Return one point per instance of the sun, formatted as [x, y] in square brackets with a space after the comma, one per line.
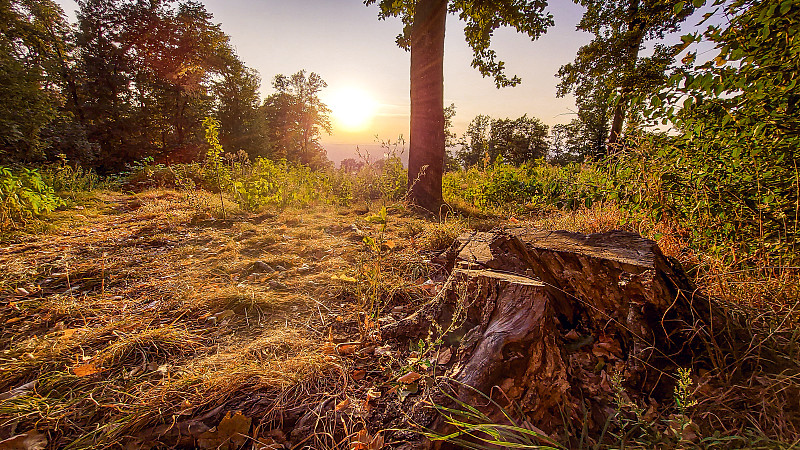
[353, 109]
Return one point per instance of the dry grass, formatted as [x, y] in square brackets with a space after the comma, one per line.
[185, 315]
[148, 309]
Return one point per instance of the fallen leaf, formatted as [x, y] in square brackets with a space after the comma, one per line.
[68, 333]
[32, 440]
[18, 391]
[409, 378]
[231, 433]
[377, 443]
[407, 390]
[358, 374]
[23, 292]
[372, 394]
[220, 316]
[13, 320]
[347, 349]
[344, 278]
[342, 405]
[444, 355]
[328, 348]
[361, 441]
[86, 370]
[608, 348]
[386, 350]
[573, 335]
[390, 244]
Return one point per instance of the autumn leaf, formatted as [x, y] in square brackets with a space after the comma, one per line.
[68, 333]
[230, 433]
[372, 394]
[444, 355]
[359, 374]
[342, 405]
[344, 278]
[86, 370]
[409, 378]
[31, 440]
[347, 349]
[328, 348]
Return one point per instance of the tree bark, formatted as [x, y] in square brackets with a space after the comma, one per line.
[616, 125]
[546, 320]
[427, 140]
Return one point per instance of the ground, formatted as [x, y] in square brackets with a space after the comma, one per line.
[161, 319]
[139, 310]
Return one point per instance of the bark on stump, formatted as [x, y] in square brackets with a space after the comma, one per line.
[545, 319]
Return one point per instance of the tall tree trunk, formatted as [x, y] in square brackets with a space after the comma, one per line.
[427, 142]
[616, 124]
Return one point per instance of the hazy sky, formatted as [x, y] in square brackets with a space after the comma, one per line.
[343, 41]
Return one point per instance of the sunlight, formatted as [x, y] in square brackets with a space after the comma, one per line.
[353, 108]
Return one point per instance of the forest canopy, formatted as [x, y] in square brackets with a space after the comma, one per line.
[133, 80]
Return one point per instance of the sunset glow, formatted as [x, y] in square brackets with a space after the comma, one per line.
[352, 108]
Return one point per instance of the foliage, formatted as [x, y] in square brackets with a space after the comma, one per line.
[281, 184]
[31, 39]
[296, 118]
[534, 185]
[515, 140]
[733, 165]
[482, 19]
[474, 145]
[68, 180]
[24, 196]
[242, 125]
[609, 70]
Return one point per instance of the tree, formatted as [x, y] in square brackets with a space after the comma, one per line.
[475, 142]
[32, 35]
[242, 125]
[733, 157]
[351, 165]
[450, 139]
[515, 140]
[423, 34]
[145, 74]
[519, 140]
[296, 118]
[608, 71]
[569, 142]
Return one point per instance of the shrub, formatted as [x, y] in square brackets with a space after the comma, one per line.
[268, 182]
[24, 196]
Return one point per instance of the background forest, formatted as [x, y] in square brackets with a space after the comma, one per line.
[132, 82]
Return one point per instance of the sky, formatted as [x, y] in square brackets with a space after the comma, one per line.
[356, 54]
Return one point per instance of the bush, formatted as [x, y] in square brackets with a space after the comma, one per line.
[267, 182]
[24, 196]
[535, 185]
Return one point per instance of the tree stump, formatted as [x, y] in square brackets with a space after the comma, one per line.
[549, 320]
